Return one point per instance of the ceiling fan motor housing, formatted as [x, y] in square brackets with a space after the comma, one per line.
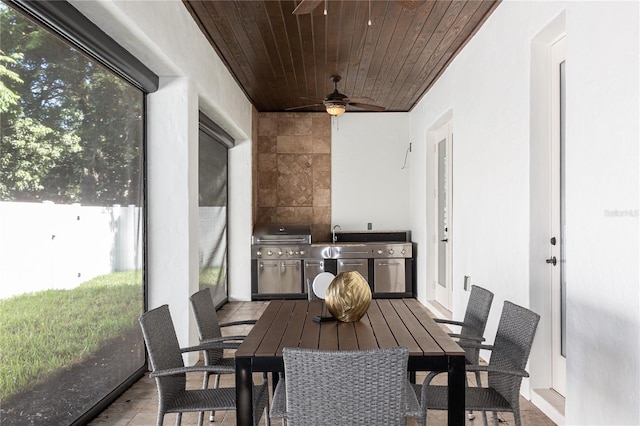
[335, 97]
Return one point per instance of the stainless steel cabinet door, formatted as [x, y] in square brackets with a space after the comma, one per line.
[312, 267]
[268, 276]
[360, 265]
[279, 276]
[290, 276]
[389, 276]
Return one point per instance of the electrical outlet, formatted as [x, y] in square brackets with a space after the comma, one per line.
[467, 283]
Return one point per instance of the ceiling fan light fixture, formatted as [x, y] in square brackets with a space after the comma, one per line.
[335, 109]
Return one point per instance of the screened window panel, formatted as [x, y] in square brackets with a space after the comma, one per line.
[212, 166]
[71, 227]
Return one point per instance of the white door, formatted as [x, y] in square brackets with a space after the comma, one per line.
[557, 257]
[443, 266]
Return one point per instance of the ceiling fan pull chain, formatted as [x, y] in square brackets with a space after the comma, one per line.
[325, 7]
[369, 13]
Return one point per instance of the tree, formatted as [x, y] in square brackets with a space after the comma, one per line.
[8, 97]
[71, 129]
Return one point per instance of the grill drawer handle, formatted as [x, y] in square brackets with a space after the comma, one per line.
[389, 264]
[352, 263]
[280, 241]
[284, 265]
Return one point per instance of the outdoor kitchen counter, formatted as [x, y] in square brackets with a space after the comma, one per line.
[360, 250]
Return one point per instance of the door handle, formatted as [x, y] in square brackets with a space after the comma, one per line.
[552, 261]
[444, 240]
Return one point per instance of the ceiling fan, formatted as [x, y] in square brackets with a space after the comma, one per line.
[336, 103]
[307, 6]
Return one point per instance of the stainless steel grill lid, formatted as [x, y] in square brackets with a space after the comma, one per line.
[282, 234]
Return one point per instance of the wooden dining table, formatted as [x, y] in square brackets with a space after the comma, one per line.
[387, 323]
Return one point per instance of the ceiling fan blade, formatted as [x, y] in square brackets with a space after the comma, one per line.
[410, 4]
[368, 107]
[311, 99]
[362, 100]
[303, 106]
[306, 6]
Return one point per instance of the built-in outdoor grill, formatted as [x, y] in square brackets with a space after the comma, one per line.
[283, 260]
[277, 252]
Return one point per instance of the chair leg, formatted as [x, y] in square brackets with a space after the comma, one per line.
[485, 421]
[472, 416]
[205, 385]
[484, 418]
[478, 380]
[267, 420]
[516, 416]
[212, 417]
[178, 419]
[495, 418]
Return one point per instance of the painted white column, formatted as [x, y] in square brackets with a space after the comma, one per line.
[172, 167]
[240, 221]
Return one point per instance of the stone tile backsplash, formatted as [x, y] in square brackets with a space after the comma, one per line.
[293, 169]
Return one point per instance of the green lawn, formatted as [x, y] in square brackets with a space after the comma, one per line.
[43, 332]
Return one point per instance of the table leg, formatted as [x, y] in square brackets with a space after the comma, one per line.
[456, 395]
[244, 392]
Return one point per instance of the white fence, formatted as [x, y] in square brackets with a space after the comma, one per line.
[50, 246]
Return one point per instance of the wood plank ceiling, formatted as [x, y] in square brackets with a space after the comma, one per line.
[282, 60]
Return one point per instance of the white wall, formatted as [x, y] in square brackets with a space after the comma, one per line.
[369, 176]
[163, 35]
[487, 92]
[172, 170]
[602, 203]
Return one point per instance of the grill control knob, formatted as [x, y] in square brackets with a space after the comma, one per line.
[403, 251]
[258, 253]
[391, 251]
[280, 253]
[379, 251]
[301, 252]
[269, 253]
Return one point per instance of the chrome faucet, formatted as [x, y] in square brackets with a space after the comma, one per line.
[333, 233]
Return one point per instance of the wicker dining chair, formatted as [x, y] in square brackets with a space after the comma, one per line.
[328, 388]
[169, 371]
[473, 325]
[509, 355]
[210, 330]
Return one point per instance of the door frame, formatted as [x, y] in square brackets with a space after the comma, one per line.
[444, 296]
[558, 362]
[540, 384]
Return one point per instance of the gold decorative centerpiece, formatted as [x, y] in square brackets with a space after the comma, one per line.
[348, 296]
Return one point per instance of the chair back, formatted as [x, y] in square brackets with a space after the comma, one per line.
[346, 387]
[511, 348]
[475, 318]
[207, 322]
[164, 351]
